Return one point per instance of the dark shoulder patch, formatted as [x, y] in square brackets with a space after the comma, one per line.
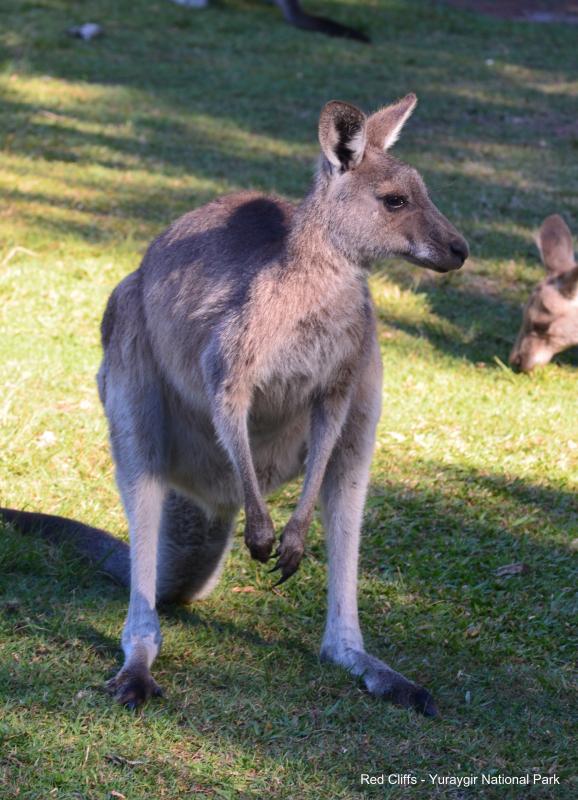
[260, 223]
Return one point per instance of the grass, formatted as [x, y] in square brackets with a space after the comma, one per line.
[102, 144]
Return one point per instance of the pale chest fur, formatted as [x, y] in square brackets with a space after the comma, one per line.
[311, 343]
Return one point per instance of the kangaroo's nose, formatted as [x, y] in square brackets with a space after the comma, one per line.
[459, 249]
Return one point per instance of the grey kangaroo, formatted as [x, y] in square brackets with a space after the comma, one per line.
[550, 322]
[294, 14]
[241, 353]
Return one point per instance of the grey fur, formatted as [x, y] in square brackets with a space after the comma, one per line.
[243, 352]
[550, 317]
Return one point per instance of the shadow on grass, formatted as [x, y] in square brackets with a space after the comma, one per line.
[193, 107]
[431, 552]
[203, 142]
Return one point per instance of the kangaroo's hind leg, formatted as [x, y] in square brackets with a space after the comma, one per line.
[135, 414]
[143, 495]
[133, 396]
[342, 500]
[192, 549]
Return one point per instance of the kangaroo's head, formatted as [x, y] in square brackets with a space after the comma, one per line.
[377, 206]
[550, 322]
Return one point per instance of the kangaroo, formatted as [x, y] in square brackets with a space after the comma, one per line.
[294, 15]
[550, 323]
[240, 354]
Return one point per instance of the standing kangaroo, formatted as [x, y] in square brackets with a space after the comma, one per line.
[550, 323]
[242, 352]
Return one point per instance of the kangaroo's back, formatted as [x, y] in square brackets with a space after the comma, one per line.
[198, 273]
[228, 240]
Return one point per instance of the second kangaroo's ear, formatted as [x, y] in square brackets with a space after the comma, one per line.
[555, 244]
[384, 127]
[342, 134]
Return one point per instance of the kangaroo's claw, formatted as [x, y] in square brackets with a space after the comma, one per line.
[132, 688]
[289, 554]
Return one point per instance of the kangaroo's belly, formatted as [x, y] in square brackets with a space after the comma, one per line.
[199, 466]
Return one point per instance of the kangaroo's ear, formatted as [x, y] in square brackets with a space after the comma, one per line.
[384, 127]
[554, 241]
[342, 134]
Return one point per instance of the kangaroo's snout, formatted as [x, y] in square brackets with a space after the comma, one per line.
[448, 251]
[444, 248]
[520, 363]
[515, 360]
[459, 250]
[531, 354]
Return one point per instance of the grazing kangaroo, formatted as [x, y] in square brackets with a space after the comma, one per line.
[294, 15]
[550, 322]
[242, 352]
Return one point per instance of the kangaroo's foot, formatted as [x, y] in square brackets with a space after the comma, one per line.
[133, 686]
[381, 680]
[291, 549]
[259, 536]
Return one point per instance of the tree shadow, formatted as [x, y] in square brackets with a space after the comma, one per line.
[215, 156]
[206, 106]
[213, 69]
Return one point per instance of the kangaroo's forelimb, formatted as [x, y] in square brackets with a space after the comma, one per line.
[327, 418]
[230, 419]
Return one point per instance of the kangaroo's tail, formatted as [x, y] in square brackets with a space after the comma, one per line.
[109, 554]
[295, 15]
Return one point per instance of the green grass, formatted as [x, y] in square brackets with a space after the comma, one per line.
[102, 144]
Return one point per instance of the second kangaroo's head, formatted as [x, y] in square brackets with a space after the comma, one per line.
[377, 206]
[550, 322]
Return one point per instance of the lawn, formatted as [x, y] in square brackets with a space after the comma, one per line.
[101, 145]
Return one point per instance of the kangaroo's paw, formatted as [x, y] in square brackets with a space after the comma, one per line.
[290, 550]
[385, 682]
[132, 687]
[382, 681]
[260, 538]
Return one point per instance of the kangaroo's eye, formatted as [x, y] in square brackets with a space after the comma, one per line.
[541, 328]
[393, 202]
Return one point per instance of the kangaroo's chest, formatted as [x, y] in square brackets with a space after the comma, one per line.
[318, 353]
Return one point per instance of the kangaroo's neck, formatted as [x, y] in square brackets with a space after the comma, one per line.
[313, 242]
[316, 276]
